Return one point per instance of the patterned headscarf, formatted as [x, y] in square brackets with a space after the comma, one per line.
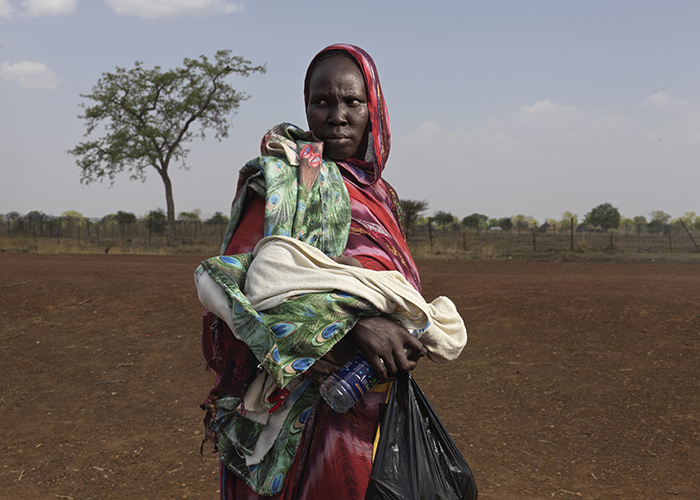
[369, 171]
[376, 237]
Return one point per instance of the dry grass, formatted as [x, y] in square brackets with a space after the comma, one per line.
[158, 246]
[559, 247]
[482, 246]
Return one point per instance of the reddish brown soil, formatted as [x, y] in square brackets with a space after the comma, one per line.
[580, 380]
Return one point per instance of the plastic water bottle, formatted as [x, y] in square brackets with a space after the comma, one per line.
[346, 386]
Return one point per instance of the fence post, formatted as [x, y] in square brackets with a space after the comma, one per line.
[534, 240]
[670, 246]
[464, 239]
[572, 234]
[689, 234]
[430, 233]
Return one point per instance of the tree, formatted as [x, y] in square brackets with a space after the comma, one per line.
[149, 115]
[190, 217]
[521, 221]
[658, 220]
[443, 218]
[626, 223]
[688, 218]
[125, 217]
[493, 222]
[566, 219]
[156, 220]
[12, 217]
[475, 220]
[506, 224]
[639, 222]
[412, 209]
[217, 218]
[73, 215]
[603, 215]
[36, 217]
[552, 223]
[696, 223]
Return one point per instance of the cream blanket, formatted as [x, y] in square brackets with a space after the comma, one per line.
[283, 267]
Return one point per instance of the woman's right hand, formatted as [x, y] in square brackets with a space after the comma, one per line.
[383, 342]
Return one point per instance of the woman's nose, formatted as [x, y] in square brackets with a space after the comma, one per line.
[337, 116]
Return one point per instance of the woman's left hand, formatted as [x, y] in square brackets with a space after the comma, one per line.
[385, 344]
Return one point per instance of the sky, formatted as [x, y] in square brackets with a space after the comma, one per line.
[497, 107]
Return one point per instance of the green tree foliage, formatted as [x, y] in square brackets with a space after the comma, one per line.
[626, 223]
[190, 217]
[443, 218]
[688, 219]
[696, 223]
[157, 220]
[217, 218]
[521, 221]
[684, 222]
[658, 220]
[73, 216]
[149, 114]
[412, 210]
[475, 220]
[639, 222]
[565, 221]
[36, 217]
[603, 215]
[493, 222]
[506, 223]
[125, 218]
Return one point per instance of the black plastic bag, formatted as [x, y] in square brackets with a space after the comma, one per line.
[416, 458]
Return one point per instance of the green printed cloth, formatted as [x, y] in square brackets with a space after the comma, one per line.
[289, 338]
[305, 195]
[305, 198]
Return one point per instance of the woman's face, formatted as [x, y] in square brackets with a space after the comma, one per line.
[337, 110]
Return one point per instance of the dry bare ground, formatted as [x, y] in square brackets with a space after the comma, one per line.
[580, 380]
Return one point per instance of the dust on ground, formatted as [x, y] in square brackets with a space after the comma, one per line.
[580, 380]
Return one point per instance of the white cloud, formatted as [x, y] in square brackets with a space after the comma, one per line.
[6, 9]
[28, 74]
[172, 8]
[35, 8]
[663, 102]
[548, 158]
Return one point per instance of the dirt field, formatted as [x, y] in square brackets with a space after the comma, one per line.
[580, 380]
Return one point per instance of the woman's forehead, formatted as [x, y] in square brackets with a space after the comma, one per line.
[336, 70]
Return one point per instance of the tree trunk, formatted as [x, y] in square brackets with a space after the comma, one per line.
[170, 204]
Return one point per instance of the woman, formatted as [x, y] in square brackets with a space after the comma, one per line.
[323, 188]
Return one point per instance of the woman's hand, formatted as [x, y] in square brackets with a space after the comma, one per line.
[383, 341]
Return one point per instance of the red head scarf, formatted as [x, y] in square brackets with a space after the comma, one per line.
[376, 237]
[369, 171]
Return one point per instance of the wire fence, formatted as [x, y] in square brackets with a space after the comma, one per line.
[426, 240]
[61, 233]
[135, 235]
